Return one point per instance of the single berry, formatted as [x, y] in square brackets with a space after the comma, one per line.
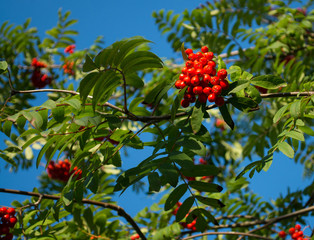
[178, 84]
[197, 90]
[188, 51]
[219, 101]
[187, 80]
[224, 84]
[206, 78]
[189, 64]
[193, 99]
[6, 218]
[204, 49]
[195, 81]
[4, 229]
[209, 55]
[222, 73]
[3, 211]
[182, 76]
[12, 222]
[203, 61]
[207, 90]
[191, 72]
[182, 85]
[291, 231]
[192, 56]
[214, 80]
[184, 70]
[199, 55]
[199, 72]
[282, 234]
[217, 89]
[213, 73]
[297, 227]
[185, 103]
[295, 235]
[207, 69]
[211, 63]
[197, 64]
[11, 211]
[212, 97]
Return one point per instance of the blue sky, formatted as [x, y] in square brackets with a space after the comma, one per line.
[116, 20]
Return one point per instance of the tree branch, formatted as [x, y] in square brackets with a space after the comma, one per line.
[227, 233]
[121, 212]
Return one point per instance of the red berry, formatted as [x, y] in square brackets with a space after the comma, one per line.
[12, 221]
[297, 227]
[202, 98]
[212, 97]
[217, 89]
[185, 103]
[214, 80]
[191, 72]
[187, 96]
[3, 211]
[182, 85]
[197, 90]
[207, 90]
[178, 84]
[188, 51]
[203, 61]
[136, 236]
[195, 81]
[6, 218]
[224, 84]
[282, 234]
[209, 55]
[206, 78]
[219, 101]
[184, 70]
[193, 99]
[295, 235]
[192, 56]
[291, 231]
[213, 73]
[187, 80]
[11, 211]
[211, 63]
[199, 55]
[222, 73]
[207, 69]
[189, 64]
[182, 76]
[204, 49]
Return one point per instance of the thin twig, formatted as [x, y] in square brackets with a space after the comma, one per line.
[121, 212]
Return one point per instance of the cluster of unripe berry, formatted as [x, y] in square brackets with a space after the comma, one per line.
[61, 170]
[8, 220]
[202, 79]
[39, 80]
[295, 233]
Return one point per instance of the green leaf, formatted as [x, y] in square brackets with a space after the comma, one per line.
[238, 86]
[279, 113]
[8, 159]
[184, 55]
[205, 187]
[221, 64]
[92, 182]
[34, 118]
[175, 196]
[181, 158]
[89, 64]
[45, 148]
[49, 104]
[254, 93]
[226, 116]
[104, 87]
[200, 171]
[184, 208]
[215, 203]
[295, 109]
[134, 80]
[140, 60]
[3, 66]
[154, 182]
[169, 174]
[243, 103]
[197, 118]
[286, 149]
[6, 128]
[201, 223]
[58, 114]
[295, 135]
[73, 102]
[269, 82]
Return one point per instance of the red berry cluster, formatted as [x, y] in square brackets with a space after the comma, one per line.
[39, 80]
[135, 236]
[69, 49]
[8, 221]
[200, 75]
[68, 68]
[295, 233]
[61, 170]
